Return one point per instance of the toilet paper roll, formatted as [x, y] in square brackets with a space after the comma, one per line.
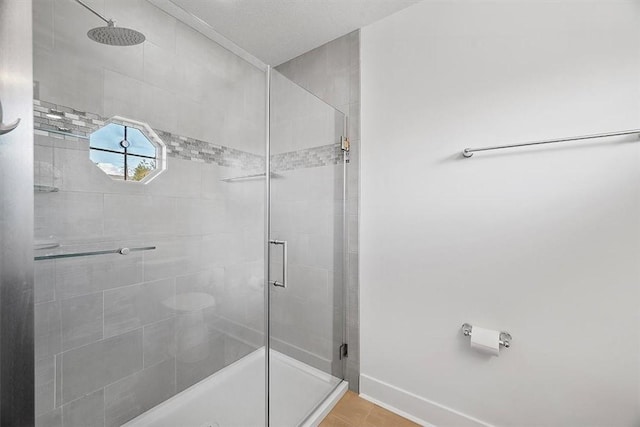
[485, 341]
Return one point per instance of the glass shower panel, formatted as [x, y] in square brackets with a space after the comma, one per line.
[306, 251]
[151, 286]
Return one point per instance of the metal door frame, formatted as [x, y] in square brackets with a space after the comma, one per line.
[17, 377]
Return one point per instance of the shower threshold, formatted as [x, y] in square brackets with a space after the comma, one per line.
[234, 396]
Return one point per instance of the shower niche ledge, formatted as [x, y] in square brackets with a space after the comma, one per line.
[39, 188]
[42, 244]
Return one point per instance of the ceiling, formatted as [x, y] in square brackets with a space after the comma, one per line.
[276, 31]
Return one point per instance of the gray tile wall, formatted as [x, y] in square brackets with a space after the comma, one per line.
[178, 80]
[332, 72]
[117, 335]
[192, 306]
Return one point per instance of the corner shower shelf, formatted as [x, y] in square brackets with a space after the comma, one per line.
[37, 188]
[45, 244]
[250, 177]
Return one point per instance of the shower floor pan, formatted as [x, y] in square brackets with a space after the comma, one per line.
[234, 397]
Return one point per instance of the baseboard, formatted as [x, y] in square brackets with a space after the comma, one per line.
[413, 407]
[396, 410]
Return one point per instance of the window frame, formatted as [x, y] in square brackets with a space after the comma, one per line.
[149, 135]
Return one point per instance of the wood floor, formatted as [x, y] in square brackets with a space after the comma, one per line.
[354, 411]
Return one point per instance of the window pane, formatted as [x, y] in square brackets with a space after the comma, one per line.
[139, 167]
[111, 163]
[108, 138]
[139, 143]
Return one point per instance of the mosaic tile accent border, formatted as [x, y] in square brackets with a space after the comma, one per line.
[73, 121]
[80, 124]
[186, 148]
[323, 155]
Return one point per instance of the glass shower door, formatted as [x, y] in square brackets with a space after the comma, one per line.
[307, 175]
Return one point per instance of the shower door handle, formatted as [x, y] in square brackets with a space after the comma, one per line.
[7, 128]
[285, 264]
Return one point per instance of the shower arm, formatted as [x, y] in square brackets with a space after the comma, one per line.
[109, 22]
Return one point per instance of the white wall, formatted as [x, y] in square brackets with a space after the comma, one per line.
[541, 242]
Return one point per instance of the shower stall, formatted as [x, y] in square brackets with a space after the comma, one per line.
[188, 231]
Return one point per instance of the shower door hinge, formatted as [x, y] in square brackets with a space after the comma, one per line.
[346, 146]
[344, 351]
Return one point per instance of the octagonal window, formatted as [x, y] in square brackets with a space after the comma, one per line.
[126, 151]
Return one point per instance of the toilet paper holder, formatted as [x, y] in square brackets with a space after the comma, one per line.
[505, 337]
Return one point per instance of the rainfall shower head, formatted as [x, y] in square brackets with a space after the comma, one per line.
[116, 36]
[112, 35]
